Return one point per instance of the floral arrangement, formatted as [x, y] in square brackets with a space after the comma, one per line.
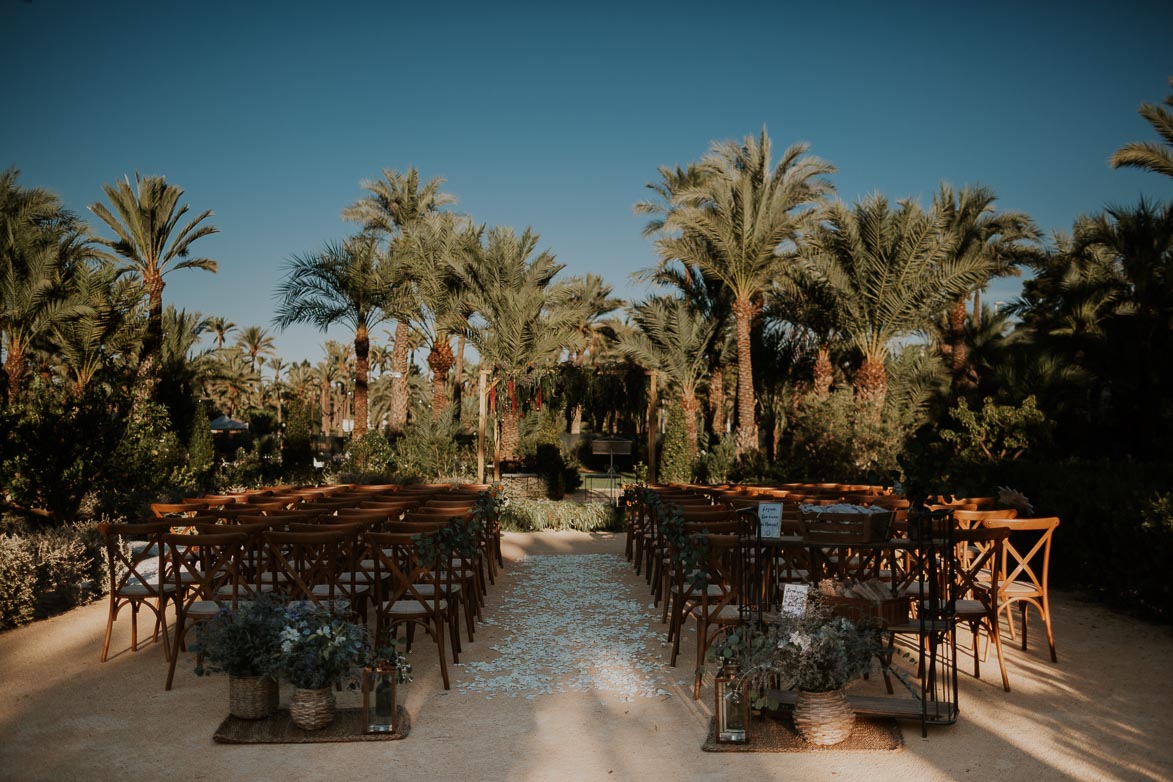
[318, 646]
[244, 641]
[816, 652]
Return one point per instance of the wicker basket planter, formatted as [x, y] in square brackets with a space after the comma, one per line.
[251, 697]
[823, 718]
[312, 709]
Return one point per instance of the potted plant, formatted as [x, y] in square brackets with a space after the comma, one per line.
[243, 642]
[317, 647]
[816, 653]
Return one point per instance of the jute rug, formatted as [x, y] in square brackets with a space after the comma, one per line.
[279, 729]
[775, 732]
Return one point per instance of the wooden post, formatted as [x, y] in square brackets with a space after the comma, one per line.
[653, 426]
[482, 390]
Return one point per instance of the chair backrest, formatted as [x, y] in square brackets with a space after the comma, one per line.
[405, 561]
[131, 564]
[978, 561]
[164, 509]
[300, 561]
[967, 519]
[208, 566]
[707, 513]
[1027, 553]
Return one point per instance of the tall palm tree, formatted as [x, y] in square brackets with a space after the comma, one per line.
[278, 386]
[432, 248]
[234, 378]
[392, 204]
[220, 328]
[519, 329]
[256, 343]
[41, 248]
[979, 232]
[735, 225]
[106, 332]
[1147, 154]
[672, 339]
[150, 244]
[345, 283]
[589, 298]
[888, 271]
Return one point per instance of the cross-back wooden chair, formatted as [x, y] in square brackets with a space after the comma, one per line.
[716, 612]
[1026, 567]
[406, 592]
[206, 572]
[978, 577]
[305, 565]
[136, 560]
[167, 509]
[968, 519]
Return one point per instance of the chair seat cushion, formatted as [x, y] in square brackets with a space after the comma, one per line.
[411, 608]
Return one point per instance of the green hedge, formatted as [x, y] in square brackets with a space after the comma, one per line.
[45, 572]
[537, 515]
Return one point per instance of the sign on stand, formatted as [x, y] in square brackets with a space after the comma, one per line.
[770, 519]
[794, 597]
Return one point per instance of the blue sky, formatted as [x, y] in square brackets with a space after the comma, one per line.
[555, 115]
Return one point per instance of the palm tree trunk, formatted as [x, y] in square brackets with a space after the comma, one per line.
[440, 360]
[957, 342]
[510, 433]
[871, 383]
[362, 368]
[397, 416]
[458, 379]
[747, 433]
[147, 380]
[14, 367]
[324, 403]
[717, 400]
[824, 374]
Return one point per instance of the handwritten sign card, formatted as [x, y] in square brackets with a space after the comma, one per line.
[794, 597]
[770, 519]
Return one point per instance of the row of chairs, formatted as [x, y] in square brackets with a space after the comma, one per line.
[333, 546]
[1003, 562]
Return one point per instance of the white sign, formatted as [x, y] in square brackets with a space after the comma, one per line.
[770, 519]
[794, 597]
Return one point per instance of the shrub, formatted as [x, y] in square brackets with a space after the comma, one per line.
[542, 453]
[45, 572]
[429, 446]
[18, 582]
[537, 515]
[675, 463]
[369, 453]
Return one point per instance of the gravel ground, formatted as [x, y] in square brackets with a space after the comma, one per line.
[568, 679]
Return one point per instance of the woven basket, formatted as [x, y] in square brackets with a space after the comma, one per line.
[251, 697]
[823, 718]
[312, 709]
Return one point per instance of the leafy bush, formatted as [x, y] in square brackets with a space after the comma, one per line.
[300, 424]
[542, 453]
[369, 453]
[429, 446]
[675, 463]
[537, 515]
[716, 464]
[44, 572]
[996, 432]
[244, 641]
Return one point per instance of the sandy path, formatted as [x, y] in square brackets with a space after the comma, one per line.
[1101, 713]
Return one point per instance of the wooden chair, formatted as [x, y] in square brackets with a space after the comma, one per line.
[978, 576]
[968, 519]
[304, 566]
[206, 571]
[407, 593]
[166, 509]
[136, 561]
[1025, 575]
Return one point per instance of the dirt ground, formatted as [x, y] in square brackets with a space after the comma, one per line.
[1101, 713]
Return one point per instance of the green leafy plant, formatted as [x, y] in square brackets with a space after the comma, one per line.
[996, 432]
[244, 641]
[318, 646]
[676, 464]
[535, 515]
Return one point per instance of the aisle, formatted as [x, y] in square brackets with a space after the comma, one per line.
[570, 622]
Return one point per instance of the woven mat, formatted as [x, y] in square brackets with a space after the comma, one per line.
[775, 733]
[279, 729]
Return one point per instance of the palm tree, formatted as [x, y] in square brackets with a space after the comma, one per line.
[41, 248]
[256, 342]
[150, 245]
[391, 205]
[220, 328]
[345, 283]
[672, 339]
[432, 248]
[734, 226]
[888, 272]
[1147, 154]
[985, 236]
[518, 329]
[107, 331]
[277, 365]
[234, 377]
[590, 300]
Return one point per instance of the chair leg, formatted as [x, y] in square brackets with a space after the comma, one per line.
[179, 628]
[440, 647]
[997, 636]
[109, 628]
[1047, 625]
